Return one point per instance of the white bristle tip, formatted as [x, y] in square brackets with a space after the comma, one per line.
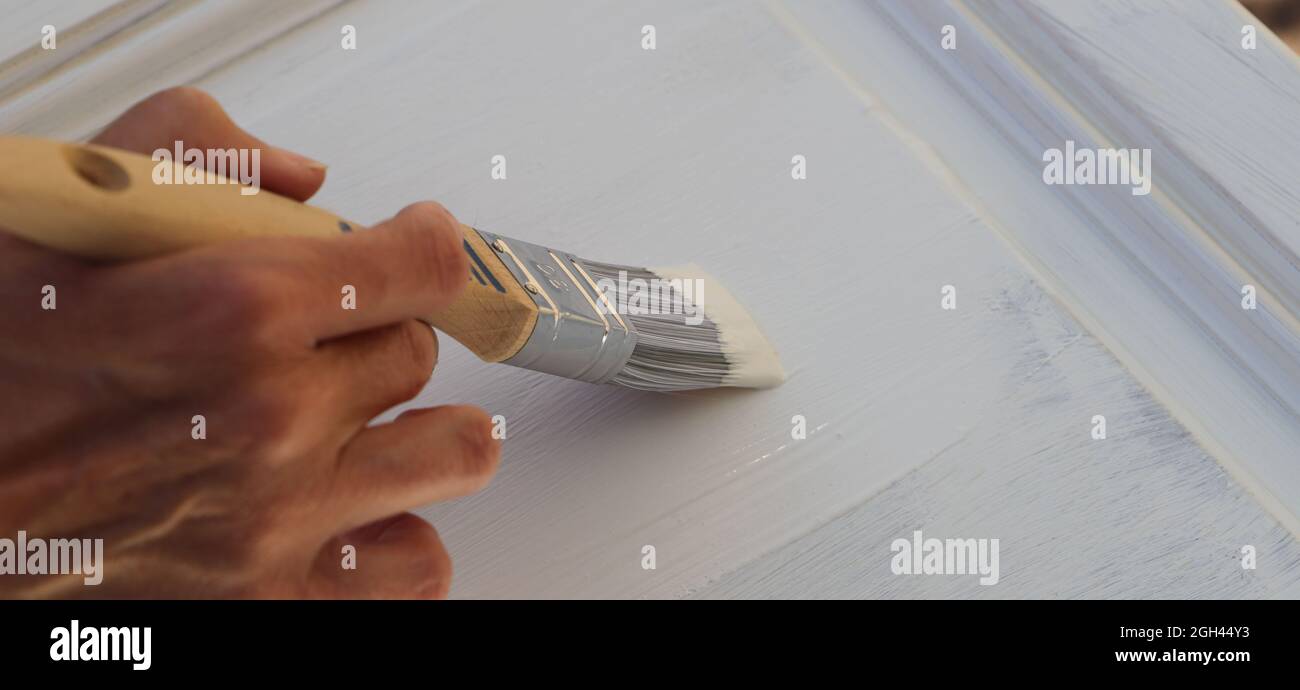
[754, 362]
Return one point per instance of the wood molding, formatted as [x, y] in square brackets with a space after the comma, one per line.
[123, 53]
[1157, 278]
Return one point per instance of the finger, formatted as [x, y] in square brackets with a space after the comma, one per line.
[423, 456]
[197, 120]
[295, 289]
[400, 557]
[377, 369]
[406, 267]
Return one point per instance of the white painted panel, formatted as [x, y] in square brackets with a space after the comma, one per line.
[972, 423]
[638, 155]
[1138, 271]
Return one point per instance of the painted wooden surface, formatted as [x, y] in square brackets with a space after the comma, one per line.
[1175, 260]
[971, 423]
[25, 22]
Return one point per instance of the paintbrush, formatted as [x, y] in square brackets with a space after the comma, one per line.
[526, 305]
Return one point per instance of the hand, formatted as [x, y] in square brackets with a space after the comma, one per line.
[100, 398]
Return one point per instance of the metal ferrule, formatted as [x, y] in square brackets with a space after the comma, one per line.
[579, 334]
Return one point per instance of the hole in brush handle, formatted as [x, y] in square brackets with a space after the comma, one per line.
[97, 169]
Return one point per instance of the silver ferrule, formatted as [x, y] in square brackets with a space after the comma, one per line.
[579, 334]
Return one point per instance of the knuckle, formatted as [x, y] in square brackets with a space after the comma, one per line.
[268, 530]
[409, 387]
[270, 418]
[182, 98]
[404, 359]
[243, 303]
[181, 113]
[432, 566]
[436, 245]
[257, 547]
[420, 345]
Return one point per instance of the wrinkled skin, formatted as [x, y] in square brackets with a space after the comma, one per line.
[97, 399]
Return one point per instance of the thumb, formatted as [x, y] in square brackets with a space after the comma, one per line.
[195, 119]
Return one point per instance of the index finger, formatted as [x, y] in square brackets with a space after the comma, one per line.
[407, 267]
[320, 288]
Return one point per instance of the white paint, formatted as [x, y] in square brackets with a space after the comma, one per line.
[962, 423]
[754, 362]
[1149, 275]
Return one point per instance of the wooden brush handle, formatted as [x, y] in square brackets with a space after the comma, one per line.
[103, 203]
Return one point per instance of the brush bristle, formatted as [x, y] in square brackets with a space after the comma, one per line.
[682, 347]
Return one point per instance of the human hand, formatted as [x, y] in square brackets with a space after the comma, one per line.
[100, 398]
